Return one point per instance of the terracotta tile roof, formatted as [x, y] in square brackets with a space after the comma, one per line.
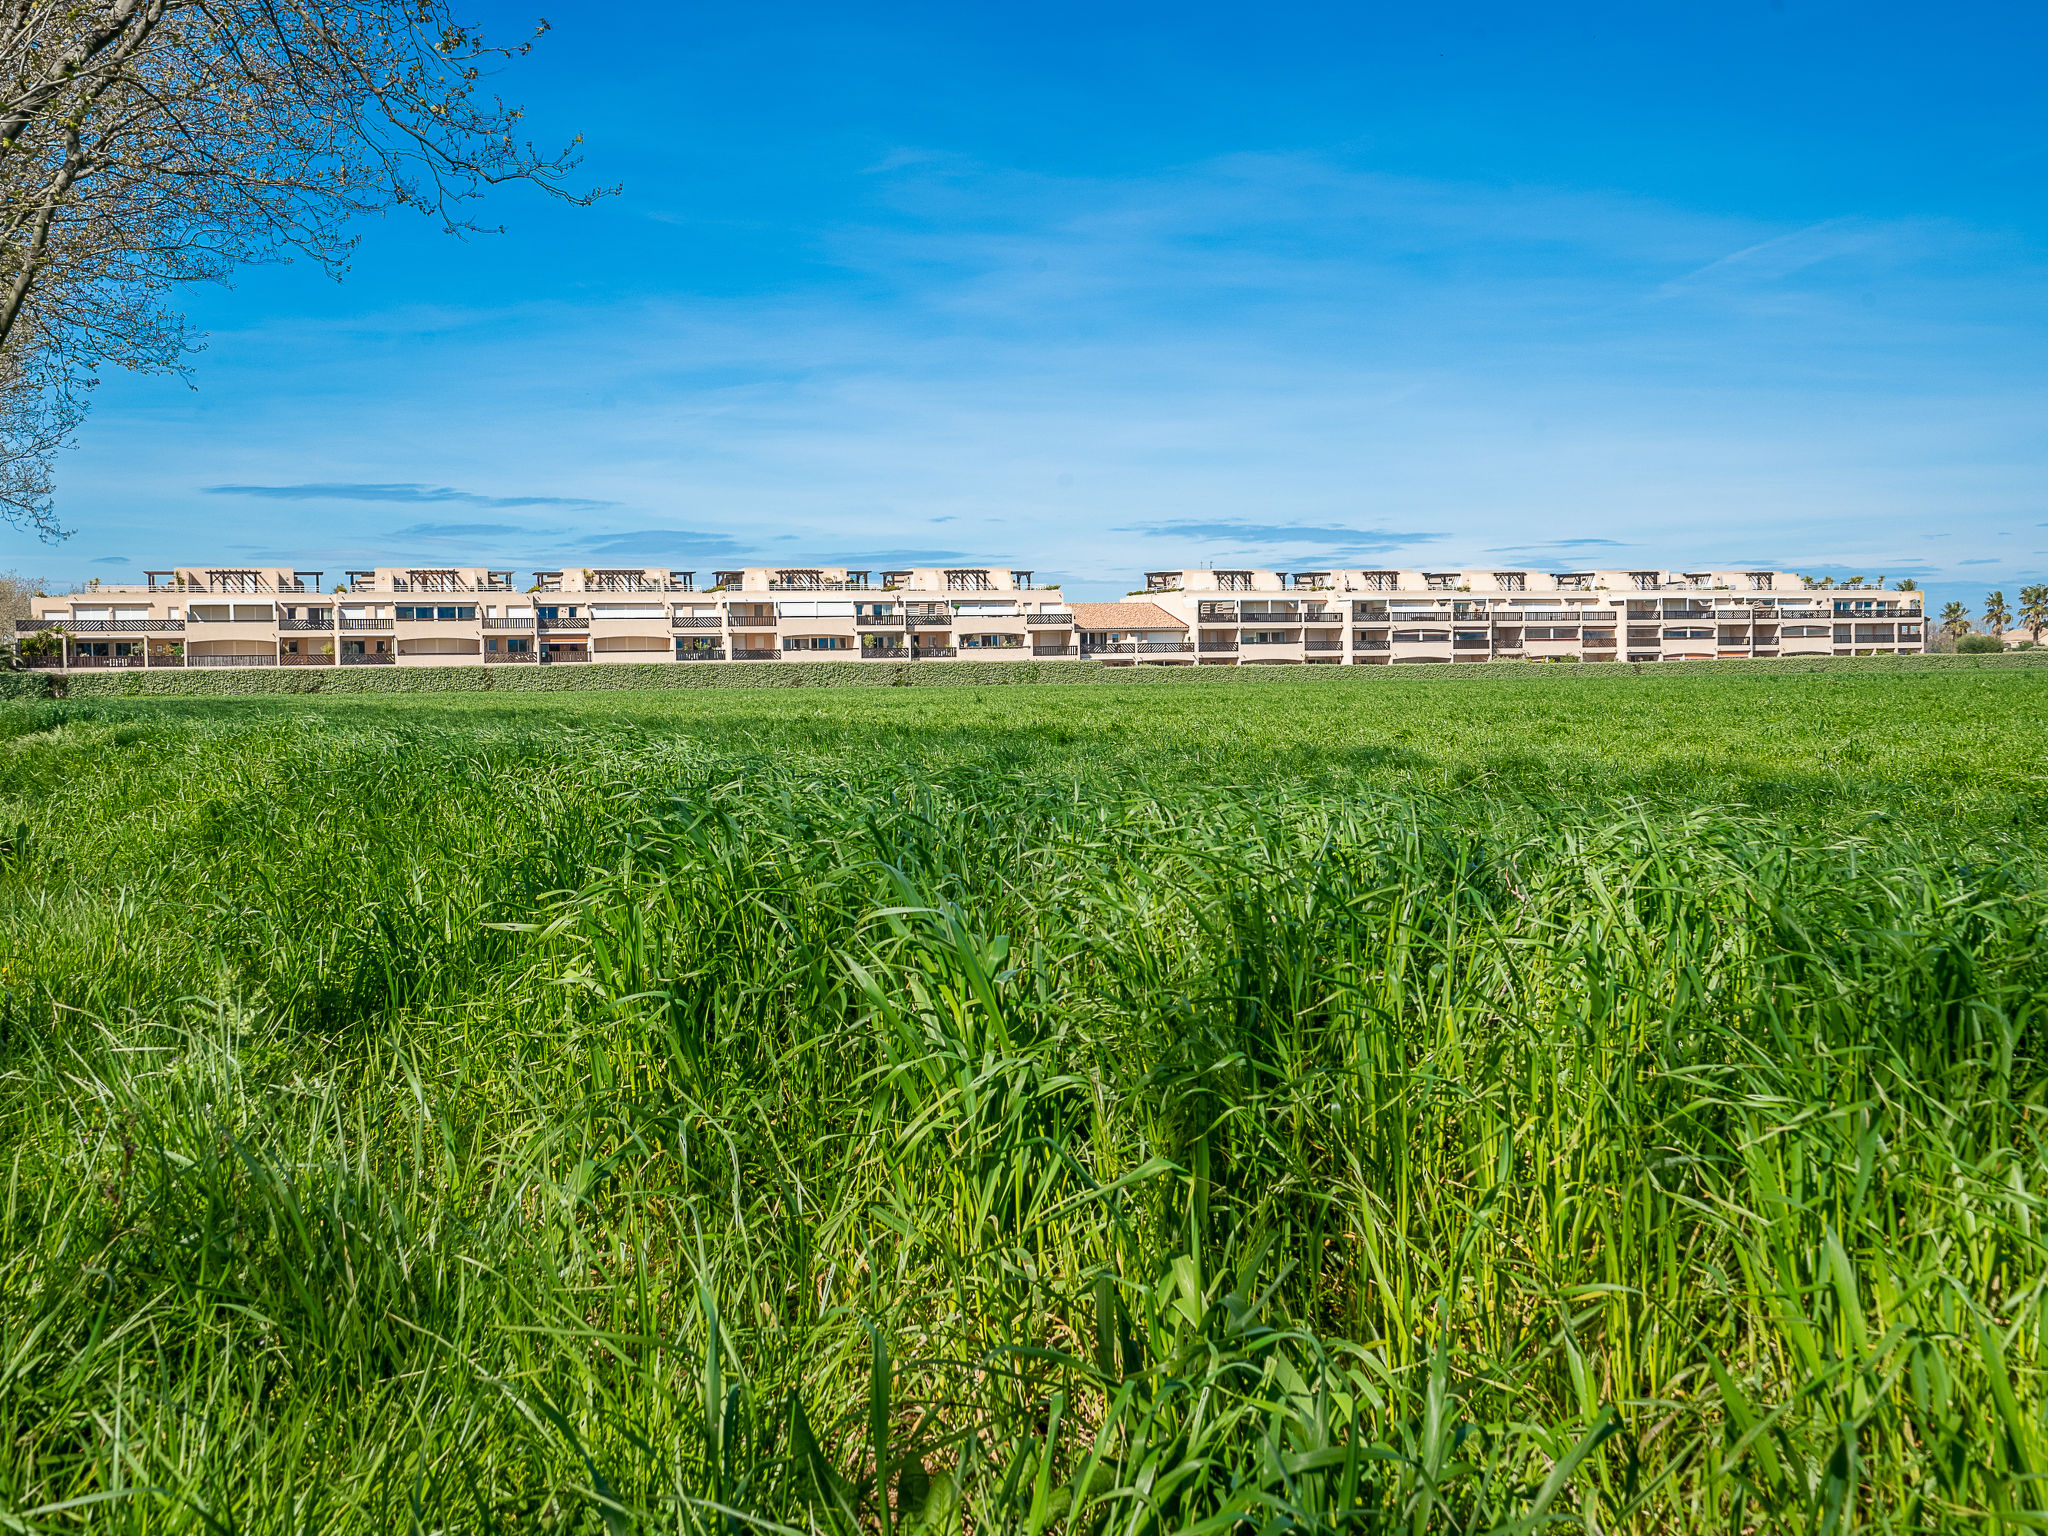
[1123, 616]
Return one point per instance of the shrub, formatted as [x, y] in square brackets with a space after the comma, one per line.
[1979, 645]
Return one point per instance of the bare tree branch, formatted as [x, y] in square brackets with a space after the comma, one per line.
[150, 143]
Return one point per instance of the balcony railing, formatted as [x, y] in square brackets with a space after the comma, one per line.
[319, 624]
[230, 661]
[1154, 647]
[303, 659]
[879, 621]
[694, 621]
[238, 618]
[936, 650]
[557, 658]
[1371, 645]
[1047, 620]
[368, 623]
[509, 657]
[928, 620]
[104, 663]
[1322, 645]
[1055, 650]
[563, 623]
[98, 626]
[755, 653]
[1217, 645]
[750, 620]
[369, 659]
[716, 653]
[820, 586]
[526, 624]
[1109, 648]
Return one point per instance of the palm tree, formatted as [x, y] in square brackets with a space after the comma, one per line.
[1955, 621]
[2034, 610]
[1996, 614]
[1909, 585]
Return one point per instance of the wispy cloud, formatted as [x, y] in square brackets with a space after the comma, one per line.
[457, 531]
[1980, 562]
[667, 543]
[1525, 549]
[1281, 534]
[404, 491]
[109, 560]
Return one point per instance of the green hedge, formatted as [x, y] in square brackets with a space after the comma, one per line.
[583, 677]
[593, 676]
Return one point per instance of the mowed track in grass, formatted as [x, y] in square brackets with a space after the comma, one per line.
[1598, 1100]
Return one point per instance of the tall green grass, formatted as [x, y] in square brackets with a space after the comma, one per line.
[1091, 1113]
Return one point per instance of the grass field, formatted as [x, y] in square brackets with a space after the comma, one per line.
[1585, 1100]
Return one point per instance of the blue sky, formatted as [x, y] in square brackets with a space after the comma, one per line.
[1099, 288]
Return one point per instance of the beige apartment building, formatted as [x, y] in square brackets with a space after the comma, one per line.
[1379, 618]
[200, 616]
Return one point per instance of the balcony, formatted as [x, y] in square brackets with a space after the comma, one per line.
[1376, 643]
[741, 653]
[1055, 650]
[103, 663]
[1155, 647]
[368, 659]
[879, 621]
[519, 624]
[1322, 645]
[564, 623]
[750, 620]
[935, 650]
[1047, 620]
[716, 653]
[300, 624]
[559, 658]
[930, 620]
[513, 658]
[230, 661]
[303, 659]
[368, 623]
[694, 621]
[1217, 645]
[1109, 648]
[1264, 640]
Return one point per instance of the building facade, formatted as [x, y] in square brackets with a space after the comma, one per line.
[201, 616]
[1382, 618]
[260, 617]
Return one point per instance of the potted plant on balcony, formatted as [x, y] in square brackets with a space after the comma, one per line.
[42, 645]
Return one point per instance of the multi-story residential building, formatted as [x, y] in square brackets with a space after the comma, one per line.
[264, 617]
[1370, 618]
[471, 615]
